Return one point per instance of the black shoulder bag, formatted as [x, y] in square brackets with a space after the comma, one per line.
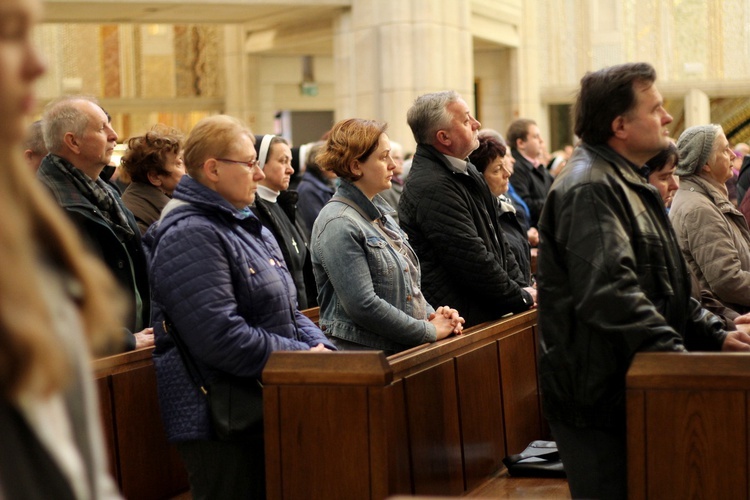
[235, 404]
[539, 459]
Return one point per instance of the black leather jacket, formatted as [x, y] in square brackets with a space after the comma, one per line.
[612, 282]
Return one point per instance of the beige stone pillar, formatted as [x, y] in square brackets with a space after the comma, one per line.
[528, 68]
[388, 52]
[237, 75]
[697, 108]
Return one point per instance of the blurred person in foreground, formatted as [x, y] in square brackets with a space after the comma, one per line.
[58, 304]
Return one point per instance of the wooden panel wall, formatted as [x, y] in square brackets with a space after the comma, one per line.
[688, 426]
[145, 465]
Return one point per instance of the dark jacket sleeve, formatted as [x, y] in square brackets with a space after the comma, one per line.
[705, 331]
[523, 186]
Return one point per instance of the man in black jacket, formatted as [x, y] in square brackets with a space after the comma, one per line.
[81, 140]
[530, 178]
[447, 210]
[612, 281]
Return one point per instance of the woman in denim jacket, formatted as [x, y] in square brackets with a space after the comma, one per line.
[367, 274]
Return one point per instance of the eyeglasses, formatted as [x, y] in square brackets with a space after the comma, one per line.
[248, 164]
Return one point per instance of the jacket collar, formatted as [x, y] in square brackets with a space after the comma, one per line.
[208, 200]
[630, 172]
[432, 154]
[374, 209]
[695, 183]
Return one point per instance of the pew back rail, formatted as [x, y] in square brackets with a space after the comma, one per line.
[687, 420]
[433, 420]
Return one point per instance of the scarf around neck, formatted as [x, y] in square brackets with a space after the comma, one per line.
[97, 193]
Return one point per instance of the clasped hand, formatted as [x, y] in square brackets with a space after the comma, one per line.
[446, 321]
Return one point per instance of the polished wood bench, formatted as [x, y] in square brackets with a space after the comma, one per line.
[434, 420]
[449, 412]
[144, 464]
[687, 419]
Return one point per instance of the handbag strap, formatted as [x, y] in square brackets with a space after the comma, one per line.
[187, 360]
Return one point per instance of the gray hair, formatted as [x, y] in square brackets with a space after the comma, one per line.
[60, 117]
[428, 114]
[34, 140]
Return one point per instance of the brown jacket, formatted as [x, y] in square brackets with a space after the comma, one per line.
[715, 240]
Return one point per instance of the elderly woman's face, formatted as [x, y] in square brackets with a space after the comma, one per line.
[176, 169]
[497, 174]
[237, 182]
[278, 167]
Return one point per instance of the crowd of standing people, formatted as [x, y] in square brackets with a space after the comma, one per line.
[211, 254]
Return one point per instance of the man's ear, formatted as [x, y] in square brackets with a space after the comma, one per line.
[618, 127]
[72, 142]
[519, 144]
[443, 138]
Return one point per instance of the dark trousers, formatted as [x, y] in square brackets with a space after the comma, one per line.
[594, 459]
[220, 470]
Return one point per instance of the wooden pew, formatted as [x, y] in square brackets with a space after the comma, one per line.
[144, 465]
[687, 418]
[434, 420]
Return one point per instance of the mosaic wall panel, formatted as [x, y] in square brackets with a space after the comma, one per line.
[683, 39]
[734, 115]
[110, 43]
[79, 46]
[167, 60]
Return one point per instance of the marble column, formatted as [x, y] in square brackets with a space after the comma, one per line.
[697, 108]
[388, 52]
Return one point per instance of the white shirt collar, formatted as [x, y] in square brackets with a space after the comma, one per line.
[268, 194]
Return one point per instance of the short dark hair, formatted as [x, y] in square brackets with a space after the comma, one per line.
[605, 95]
[518, 129]
[659, 161]
[489, 149]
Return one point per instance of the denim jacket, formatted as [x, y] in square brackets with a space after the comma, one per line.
[364, 290]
